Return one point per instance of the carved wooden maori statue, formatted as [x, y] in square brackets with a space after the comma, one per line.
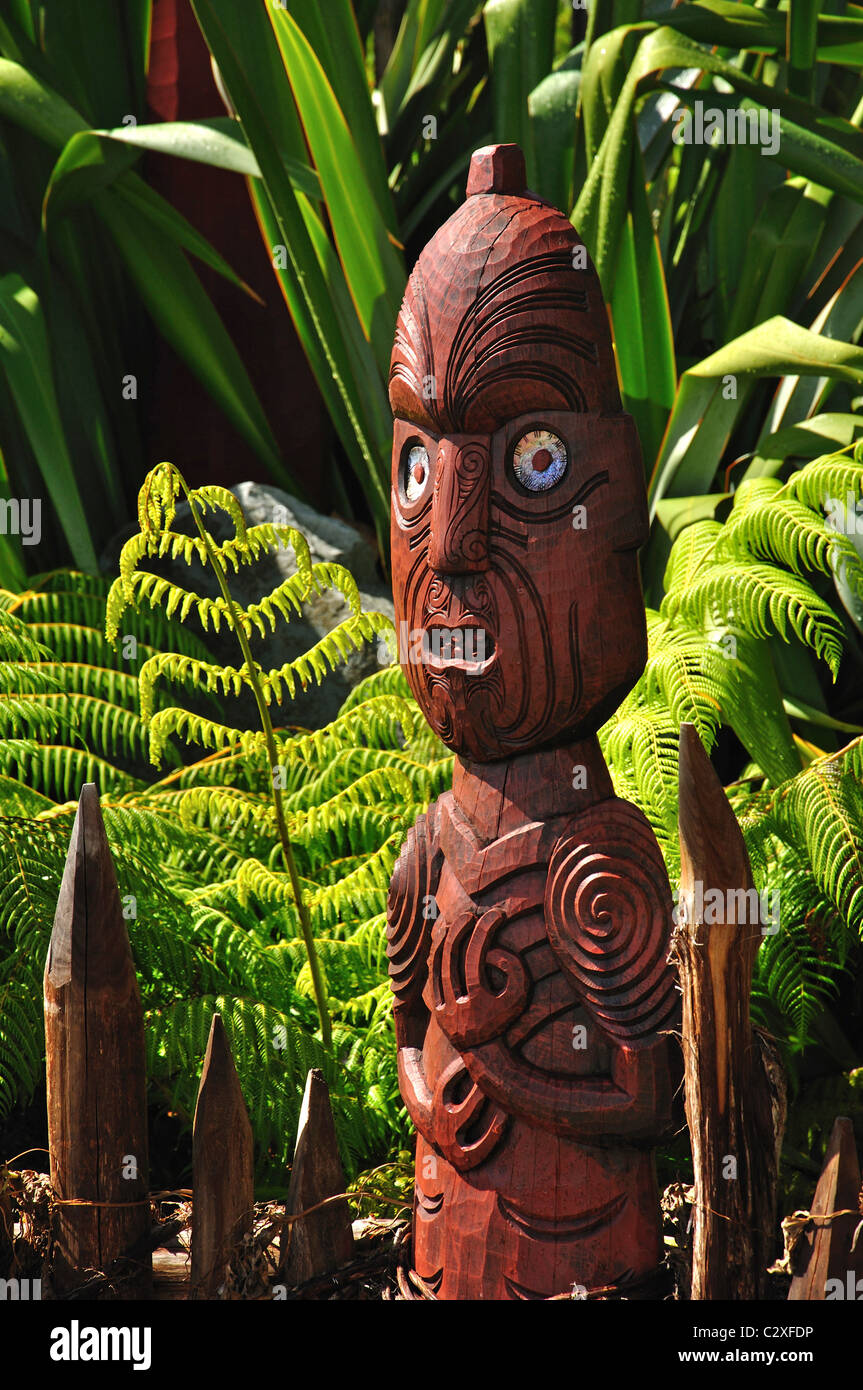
[529, 912]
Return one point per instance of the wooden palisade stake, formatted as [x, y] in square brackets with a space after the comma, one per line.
[6, 1247]
[222, 1166]
[322, 1241]
[94, 1042]
[824, 1252]
[735, 1115]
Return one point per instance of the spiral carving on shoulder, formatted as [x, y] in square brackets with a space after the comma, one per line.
[608, 915]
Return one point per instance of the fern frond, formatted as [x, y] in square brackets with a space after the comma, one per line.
[115, 731]
[692, 550]
[833, 476]
[387, 719]
[263, 538]
[74, 643]
[157, 498]
[157, 591]
[196, 728]
[761, 599]
[326, 655]
[823, 808]
[787, 531]
[212, 497]
[796, 981]
[360, 888]
[205, 675]
[219, 807]
[648, 744]
[80, 678]
[690, 677]
[60, 771]
[390, 680]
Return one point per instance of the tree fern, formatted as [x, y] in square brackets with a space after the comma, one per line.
[156, 512]
[179, 840]
[732, 589]
[798, 969]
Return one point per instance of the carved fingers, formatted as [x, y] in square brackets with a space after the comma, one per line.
[476, 987]
[467, 1125]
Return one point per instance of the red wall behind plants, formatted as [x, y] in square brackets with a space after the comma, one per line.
[183, 422]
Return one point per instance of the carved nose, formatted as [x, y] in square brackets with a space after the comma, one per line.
[459, 528]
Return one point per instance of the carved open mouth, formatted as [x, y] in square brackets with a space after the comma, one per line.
[469, 648]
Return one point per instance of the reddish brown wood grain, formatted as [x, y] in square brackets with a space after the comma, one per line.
[94, 1047]
[735, 1099]
[222, 1163]
[321, 1241]
[825, 1249]
[530, 914]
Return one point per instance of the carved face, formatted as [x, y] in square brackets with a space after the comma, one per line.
[518, 499]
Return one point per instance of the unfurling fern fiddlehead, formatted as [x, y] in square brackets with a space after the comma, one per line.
[156, 513]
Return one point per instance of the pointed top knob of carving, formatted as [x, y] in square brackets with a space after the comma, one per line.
[497, 169]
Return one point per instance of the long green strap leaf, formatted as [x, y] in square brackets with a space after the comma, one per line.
[373, 268]
[822, 148]
[26, 362]
[710, 395]
[251, 65]
[520, 35]
[332, 34]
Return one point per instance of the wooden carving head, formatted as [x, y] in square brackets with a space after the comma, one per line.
[518, 499]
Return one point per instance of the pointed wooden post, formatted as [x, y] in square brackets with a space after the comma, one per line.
[94, 1045]
[824, 1252]
[322, 1241]
[223, 1204]
[6, 1248]
[736, 1116]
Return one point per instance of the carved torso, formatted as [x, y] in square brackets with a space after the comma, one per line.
[528, 964]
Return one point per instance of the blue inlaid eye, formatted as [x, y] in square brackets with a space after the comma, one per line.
[539, 460]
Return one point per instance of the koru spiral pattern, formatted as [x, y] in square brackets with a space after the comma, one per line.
[608, 914]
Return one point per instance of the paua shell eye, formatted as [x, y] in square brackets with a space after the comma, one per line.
[539, 460]
[416, 472]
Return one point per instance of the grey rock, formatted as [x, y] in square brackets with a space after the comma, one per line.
[330, 540]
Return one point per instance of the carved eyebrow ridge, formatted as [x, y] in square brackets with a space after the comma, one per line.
[527, 370]
[509, 508]
[471, 327]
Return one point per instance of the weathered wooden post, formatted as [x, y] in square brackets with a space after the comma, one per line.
[825, 1265]
[94, 1044]
[530, 912]
[322, 1241]
[735, 1094]
[223, 1189]
[6, 1245]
